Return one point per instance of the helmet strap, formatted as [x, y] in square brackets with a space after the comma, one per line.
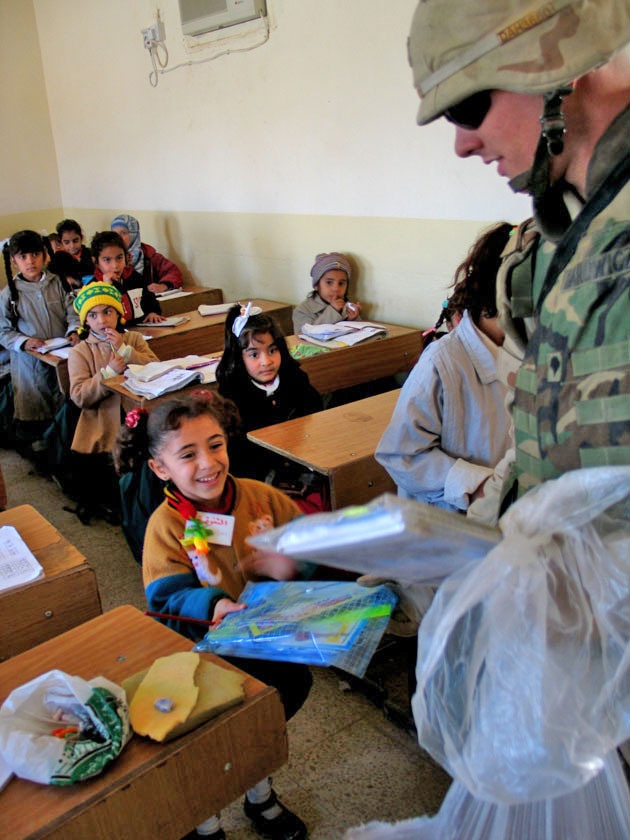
[549, 205]
[552, 120]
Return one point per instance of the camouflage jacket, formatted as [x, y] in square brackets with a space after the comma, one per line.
[572, 407]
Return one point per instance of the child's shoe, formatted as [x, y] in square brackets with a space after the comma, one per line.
[216, 835]
[284, 826]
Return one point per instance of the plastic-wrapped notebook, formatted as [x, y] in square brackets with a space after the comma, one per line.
[390, 537]
[313, 622]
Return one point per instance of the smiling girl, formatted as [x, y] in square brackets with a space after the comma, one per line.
[185, 441]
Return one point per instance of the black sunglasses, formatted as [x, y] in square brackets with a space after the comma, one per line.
[470, 112]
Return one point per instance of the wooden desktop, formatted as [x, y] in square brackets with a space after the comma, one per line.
[193, 297]
[150, 790]
[202, 334]
[64, 596]
[338, 443]
[376, 358]
[331, 370]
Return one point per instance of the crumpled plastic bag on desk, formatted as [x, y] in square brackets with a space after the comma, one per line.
[524, 657]
[59, 729]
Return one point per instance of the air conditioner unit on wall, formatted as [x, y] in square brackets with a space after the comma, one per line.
[199, 16]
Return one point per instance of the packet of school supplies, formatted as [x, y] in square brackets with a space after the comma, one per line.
[390, 537]
[59, 729]
[313, 622]
[305, 351]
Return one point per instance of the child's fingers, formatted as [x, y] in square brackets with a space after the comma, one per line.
[224, 607]
[268, 564]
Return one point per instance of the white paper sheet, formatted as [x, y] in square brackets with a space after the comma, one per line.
[18, 565]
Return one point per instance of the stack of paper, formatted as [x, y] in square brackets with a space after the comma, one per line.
[153, 370]
[172, 380]
[18, 565]
[53, 344]
[343, 333]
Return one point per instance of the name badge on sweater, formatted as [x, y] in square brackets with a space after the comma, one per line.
[135, 296]
[222, 526]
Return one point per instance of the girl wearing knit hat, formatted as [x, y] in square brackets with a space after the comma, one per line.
[105, 352]
[328, 302]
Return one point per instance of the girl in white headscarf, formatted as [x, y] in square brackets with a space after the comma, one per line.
[160, 273]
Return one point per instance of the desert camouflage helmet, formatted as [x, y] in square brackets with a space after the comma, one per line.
[458, 49]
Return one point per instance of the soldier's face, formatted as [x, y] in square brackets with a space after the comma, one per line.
[508, 134]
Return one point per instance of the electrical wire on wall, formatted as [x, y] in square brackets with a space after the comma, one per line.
[157, 61]
[160, 62]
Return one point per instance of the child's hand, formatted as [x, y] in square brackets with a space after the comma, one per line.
[153, 318]
[338, 304]
[114, 338]
[33, 343]
[268, 564]
[111, 277]
[117, 363]
[223, 607]
[73, 338]
[156, 288]
[353, 310]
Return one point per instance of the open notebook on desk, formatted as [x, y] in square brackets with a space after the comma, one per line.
[157, 378]
[18, 565]
[341, 334]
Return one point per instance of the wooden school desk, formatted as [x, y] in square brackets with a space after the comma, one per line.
[150, 790]
[64, 596]
[338, 443]
[202, 334]
[176, 304]
[60, 365]
[378, 357]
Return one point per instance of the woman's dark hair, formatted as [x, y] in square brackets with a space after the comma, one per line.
[142, 434]
[231, 372]
[69, 226]
[104, 239]
[474, 286]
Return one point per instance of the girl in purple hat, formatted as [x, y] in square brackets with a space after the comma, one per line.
[328, 302]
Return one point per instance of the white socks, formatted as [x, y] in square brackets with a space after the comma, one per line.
[261, 792]
[210, 825]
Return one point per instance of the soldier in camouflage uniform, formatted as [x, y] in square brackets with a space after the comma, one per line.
[498, 74]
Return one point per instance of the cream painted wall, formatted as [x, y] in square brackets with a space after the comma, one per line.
[30, 178]
[244, 167]
[400, 262]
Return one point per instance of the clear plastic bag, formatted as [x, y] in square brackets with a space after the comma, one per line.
[391, 537]
[524, 658]
[598, 811]
[59, 729]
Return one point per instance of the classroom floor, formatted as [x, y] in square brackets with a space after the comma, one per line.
[349, 762]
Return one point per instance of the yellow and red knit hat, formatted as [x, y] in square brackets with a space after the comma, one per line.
[98, 294]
